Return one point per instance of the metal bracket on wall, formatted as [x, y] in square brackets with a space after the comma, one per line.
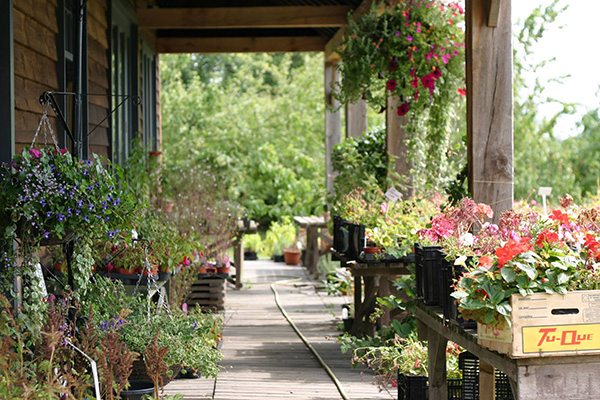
[48, 97]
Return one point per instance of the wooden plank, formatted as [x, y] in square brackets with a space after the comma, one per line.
[397, 147]
[487, 381]
[356, 119]
[238, 259]
[27, 95]
[335, 42]
[96, 9]
[100, 137]
[240, 44]
[34, 35]
[243, 17]
[97, 52]
[494, 13]
[35, 67]
[333, 121]
[489, 106]
[43, 12]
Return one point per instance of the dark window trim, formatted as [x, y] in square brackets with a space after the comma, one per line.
[7, 82]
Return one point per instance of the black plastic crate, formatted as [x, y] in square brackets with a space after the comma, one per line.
[412, 387]
[469, 365]
[419, 270]
[455, 389]
[356, 240]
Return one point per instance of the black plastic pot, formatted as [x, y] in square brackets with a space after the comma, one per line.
[412, 387]
[250, 255]
[430, 259]
[137, 389]
[450, 273]
[278, 258]
[340, 235]
[356, 238]
[348, 324]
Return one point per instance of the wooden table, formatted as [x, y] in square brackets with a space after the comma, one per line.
[538, 378]
[312, 225]
[377, 278]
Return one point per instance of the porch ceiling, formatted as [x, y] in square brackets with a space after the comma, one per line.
[209, 26]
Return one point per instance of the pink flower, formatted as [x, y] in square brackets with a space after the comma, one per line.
[414, 82]
[409, 38]
[384, 208]
[110, 267]
[184, 308]
[35, 153]
[418, 27]
[391, 85]
[445, 58]
[403, 109]
[461, 91]
[63, 150]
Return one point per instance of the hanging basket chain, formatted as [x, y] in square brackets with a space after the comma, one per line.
[46, 127]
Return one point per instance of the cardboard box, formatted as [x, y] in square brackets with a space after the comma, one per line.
[548, 325]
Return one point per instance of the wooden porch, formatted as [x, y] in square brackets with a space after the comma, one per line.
[263, 356]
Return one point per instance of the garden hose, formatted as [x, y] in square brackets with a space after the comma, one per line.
[326, 367]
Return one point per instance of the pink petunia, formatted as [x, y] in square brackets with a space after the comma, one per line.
[35, 153]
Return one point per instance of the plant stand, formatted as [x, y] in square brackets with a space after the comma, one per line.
[377, 278]
[312, 225]
[536, 378]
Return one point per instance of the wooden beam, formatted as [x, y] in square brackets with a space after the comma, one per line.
[489, 106]
[239, 44]
[356, 119]
[436, 357]
[335, 42]
[7, 82]
[243, 17]
[333, 121]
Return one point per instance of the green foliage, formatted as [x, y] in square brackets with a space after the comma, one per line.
[361, 163]
[281, 235]
[255, 121]
[253, 242]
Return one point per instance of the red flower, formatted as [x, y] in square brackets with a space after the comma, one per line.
[560, 216]
[593, 246]
[511, 249]
[546, 236]
[416, 95]
[391, 85]
[63, 150]
[428, 81]
[414, 82]
[461, 91]
[437, 73]
[403, 109]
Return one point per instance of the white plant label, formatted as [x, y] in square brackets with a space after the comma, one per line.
[393, 195]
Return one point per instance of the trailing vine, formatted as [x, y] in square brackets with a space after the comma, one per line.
[413, 51]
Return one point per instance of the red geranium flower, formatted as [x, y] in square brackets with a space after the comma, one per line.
[546, 236]
[560, 216]
[428, 81]
[462, 91]
[511, 249]
[486, 261]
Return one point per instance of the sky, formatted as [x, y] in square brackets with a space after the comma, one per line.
[575, 49]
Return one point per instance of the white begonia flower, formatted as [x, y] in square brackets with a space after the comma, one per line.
[467, 239]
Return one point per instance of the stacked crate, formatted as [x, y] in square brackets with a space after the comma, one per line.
[208, 291]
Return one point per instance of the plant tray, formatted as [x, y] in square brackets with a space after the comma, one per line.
[548, 325]
[134, 278]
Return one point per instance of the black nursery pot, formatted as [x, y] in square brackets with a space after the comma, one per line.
[340, 235]
[412, 387]
[250, 256]
[356, 238]
[137, 390]
[431, 274]
[450, 273]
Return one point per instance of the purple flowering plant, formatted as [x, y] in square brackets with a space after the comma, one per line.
[47, 194]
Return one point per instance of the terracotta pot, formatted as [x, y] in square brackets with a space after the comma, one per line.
[291, 256]
[223, 270]
[124, 271]
[371, 250]
[203, 269]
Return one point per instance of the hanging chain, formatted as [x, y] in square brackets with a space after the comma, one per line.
[46, 127]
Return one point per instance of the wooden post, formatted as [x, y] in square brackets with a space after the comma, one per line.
[333, 121]
[489, 105]
[384, 290]
[312, 249]
[356, 119]
[487, 381]
[436, 357]
[396, 144]
[238, 259]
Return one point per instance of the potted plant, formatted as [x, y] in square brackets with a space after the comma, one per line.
[281, 234]
[291, 255]
[252, 244]
[550, 258]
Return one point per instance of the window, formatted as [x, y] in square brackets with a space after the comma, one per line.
[148, 66]
[123, 48]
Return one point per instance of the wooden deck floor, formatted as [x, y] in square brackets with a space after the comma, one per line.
[263, 356]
